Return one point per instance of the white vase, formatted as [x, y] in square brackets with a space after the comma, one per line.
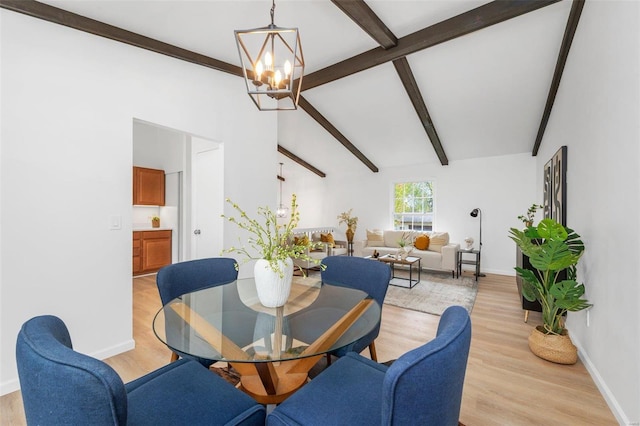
[273, 289]
[404, 252]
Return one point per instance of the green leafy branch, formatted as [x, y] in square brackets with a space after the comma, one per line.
[272, 241]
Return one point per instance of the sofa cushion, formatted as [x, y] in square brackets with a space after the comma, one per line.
[375, 237]
[391, 237]
[422, 242]
[437, 240]
[301, 241]
[328, 238]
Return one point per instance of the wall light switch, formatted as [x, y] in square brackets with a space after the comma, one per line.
[115, 223]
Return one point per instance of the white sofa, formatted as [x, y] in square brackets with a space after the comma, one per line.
[439, 256]
[315, 235]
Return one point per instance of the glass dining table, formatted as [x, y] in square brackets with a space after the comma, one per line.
[272, 349]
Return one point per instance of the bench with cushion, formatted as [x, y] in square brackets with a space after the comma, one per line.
[325, 245]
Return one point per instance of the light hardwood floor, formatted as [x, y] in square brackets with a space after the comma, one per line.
[505, 383]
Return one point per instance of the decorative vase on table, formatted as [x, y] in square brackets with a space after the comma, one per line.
[273, 287]
[468, 243]
[404, 252]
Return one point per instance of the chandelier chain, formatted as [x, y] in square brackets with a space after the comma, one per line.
[273, 10]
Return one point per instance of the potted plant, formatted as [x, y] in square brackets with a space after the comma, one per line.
[155, 222]
[351, 222]
[274, 247]
[405, 246]
[552, 249]
[527, 218]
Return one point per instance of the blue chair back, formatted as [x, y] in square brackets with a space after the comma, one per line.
[184, 277]
[367, 275]
[435, 370]
[61, 386]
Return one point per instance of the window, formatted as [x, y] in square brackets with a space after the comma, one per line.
[413, 206]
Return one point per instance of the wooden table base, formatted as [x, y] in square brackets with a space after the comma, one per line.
[272, 382]
[286, 383]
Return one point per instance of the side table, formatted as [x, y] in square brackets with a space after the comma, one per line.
[460, 260]
[410, 261]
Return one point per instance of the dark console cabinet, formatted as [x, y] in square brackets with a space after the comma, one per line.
[522, 261]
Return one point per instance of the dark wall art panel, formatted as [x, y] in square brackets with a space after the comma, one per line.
[555, 187]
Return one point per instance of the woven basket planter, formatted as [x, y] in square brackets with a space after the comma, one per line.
[553, 347]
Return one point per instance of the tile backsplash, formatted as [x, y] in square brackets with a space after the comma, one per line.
[142, 216]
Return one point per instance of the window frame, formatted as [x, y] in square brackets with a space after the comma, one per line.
[411, 226]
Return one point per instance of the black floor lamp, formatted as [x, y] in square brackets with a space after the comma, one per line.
[475, 213]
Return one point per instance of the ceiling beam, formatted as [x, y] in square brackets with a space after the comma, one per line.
[567, 39]
[361, 14]
[305, 105]
[282, 150]
[410, 85]
[465, 23]
[72, 20]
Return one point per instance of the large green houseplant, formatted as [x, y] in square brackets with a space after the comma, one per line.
[551, 249]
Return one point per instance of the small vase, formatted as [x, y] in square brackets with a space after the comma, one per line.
[403, 253]
[350, 233]
[556, 348]
[273, 289]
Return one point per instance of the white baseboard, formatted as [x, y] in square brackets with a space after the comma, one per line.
[509, 272]
[610, 399]
[9, 386]
[13, 385]
[125, 346]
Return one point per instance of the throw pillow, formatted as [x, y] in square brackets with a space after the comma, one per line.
[328, 238]
[375, 237]
[438, 240]
[422, 242]
[301, 241]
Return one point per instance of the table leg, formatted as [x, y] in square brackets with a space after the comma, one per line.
[274, 383]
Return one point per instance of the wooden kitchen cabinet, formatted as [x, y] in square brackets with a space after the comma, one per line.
[137, 250]
[148, 186]
[153, 251]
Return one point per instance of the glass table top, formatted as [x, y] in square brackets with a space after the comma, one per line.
[228, 323]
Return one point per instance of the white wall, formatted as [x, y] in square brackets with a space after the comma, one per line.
[68, 104]
[502, 187]
[597, 115]
[158, 147]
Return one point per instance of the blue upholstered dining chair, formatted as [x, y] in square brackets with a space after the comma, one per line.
[62, 386]
[363, 274]
[422, 387]
[192, 275]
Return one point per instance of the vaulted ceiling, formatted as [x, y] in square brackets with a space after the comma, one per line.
[387, 83]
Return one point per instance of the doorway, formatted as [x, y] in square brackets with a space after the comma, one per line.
[207, 198]
[194, 177]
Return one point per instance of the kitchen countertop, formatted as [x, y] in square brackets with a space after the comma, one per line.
[152, 229]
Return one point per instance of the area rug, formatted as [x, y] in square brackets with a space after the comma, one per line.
[434, 293]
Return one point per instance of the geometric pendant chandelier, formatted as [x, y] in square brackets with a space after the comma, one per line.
[272, 63]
